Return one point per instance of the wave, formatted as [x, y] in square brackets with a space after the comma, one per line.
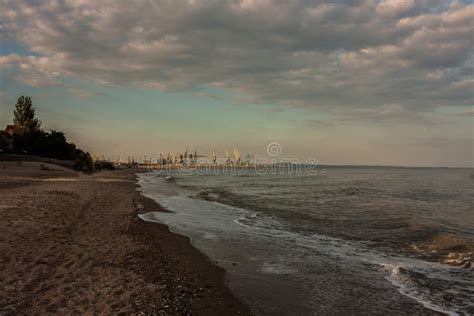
[400, 278]
[206, 195]
[446, 249]
[438, 286]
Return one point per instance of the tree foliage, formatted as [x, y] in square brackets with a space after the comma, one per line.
[29, 138]
[4, 143]
[24, 116]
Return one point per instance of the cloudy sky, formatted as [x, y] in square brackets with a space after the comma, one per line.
[345, 82]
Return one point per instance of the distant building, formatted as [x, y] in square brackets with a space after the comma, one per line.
[10, 130]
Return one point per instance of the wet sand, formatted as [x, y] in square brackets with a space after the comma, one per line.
[72, 243]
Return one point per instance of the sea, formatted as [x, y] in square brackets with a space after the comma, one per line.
[336, 240]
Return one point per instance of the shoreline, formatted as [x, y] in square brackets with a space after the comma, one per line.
[211, 277]
[73, 243]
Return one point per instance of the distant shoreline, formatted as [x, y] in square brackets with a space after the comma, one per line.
[173, 167]
[69, 164]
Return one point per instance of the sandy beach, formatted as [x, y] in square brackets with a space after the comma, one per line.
[72, 243]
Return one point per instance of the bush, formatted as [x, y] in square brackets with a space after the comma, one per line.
[51, 145]
[83, 161]
[4, 143]
[107, 165]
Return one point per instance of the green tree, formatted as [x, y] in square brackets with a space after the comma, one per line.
[28, 138]
[24, 116]
[4, 143]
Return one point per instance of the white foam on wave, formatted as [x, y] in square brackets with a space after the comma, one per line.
[240, 221]
[277, 268]
[210, 236]
[407, 287]
[150, 217]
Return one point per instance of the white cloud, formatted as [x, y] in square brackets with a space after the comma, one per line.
[10, 60]
[406, 56]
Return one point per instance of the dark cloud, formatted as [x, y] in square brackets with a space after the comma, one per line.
[365, 56]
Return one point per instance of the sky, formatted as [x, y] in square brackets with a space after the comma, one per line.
[365, 82]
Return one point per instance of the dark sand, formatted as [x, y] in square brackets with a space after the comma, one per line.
[72, 243]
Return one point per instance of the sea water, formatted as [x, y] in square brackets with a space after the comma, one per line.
[341, 240]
